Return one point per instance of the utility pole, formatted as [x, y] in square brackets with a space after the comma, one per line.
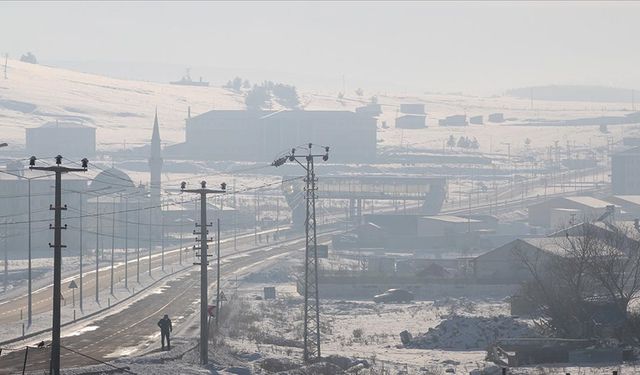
[204, 262]
[218, 273]
[6, 256]
[311, 297]
[181, 225]
[235, 218]
[6, 57]
[30, 300]
[57, 252]
[255, 218]
[150, 231]
[113, 242]
[138, 242]
[162, 235]
[126, 242]
[97, 248]
[81, 248]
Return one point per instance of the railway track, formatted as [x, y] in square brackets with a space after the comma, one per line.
[133, 329]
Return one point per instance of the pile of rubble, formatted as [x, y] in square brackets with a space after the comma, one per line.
[468, 333]
[331, 365]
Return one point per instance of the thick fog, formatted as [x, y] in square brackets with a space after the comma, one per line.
[366, 187]
[403, 46]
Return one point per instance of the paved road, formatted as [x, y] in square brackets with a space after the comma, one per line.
[124, 332]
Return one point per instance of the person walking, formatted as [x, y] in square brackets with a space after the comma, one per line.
[165, 330]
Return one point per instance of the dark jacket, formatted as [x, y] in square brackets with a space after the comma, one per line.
[165, 325]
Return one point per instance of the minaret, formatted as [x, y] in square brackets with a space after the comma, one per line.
[155, 164]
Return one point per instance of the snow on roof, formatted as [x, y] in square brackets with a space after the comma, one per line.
[64, 124]
[452, 219]
[548, 245]
[626, 228]
[635, 199]
[227, 114]
[589, 201]
[629, 151]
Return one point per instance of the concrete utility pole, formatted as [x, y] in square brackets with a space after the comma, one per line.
[218, 274]
[181, 225]
[57, 253]
[204, 262]
[113, 243]
[29, 297]
[311, 308]
[138, 241]
[150, 232]
[162, 236]
[81, 249]
[97, 248]
[126, 242]
[6, 255]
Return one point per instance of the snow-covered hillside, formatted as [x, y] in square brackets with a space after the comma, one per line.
[122, 111]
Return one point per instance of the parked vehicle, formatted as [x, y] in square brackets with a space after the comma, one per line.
[394, 296]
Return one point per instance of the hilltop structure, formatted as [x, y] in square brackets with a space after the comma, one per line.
[256, 135]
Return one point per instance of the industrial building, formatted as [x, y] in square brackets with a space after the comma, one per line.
[563, 211]
[445, 225]
[629, 205]
[371, 109]
[625, 176]
[508, 263]
[69, 139]
[255, 135]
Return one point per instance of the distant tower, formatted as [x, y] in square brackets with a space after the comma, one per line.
[155, 164]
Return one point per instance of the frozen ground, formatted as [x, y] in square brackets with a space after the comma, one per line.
[371, 331]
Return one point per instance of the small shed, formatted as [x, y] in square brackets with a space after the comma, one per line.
[476, 120]
[411, 122]
[496, 117]
[455, 120]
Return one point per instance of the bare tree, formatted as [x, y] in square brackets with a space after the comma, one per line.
[574, 276]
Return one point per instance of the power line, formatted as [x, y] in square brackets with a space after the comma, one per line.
[164, 204]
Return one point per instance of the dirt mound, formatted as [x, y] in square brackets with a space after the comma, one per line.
[471, 333]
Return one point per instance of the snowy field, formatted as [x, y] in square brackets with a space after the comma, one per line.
[123, 110]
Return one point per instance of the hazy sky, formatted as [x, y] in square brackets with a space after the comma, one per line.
[474, 47]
